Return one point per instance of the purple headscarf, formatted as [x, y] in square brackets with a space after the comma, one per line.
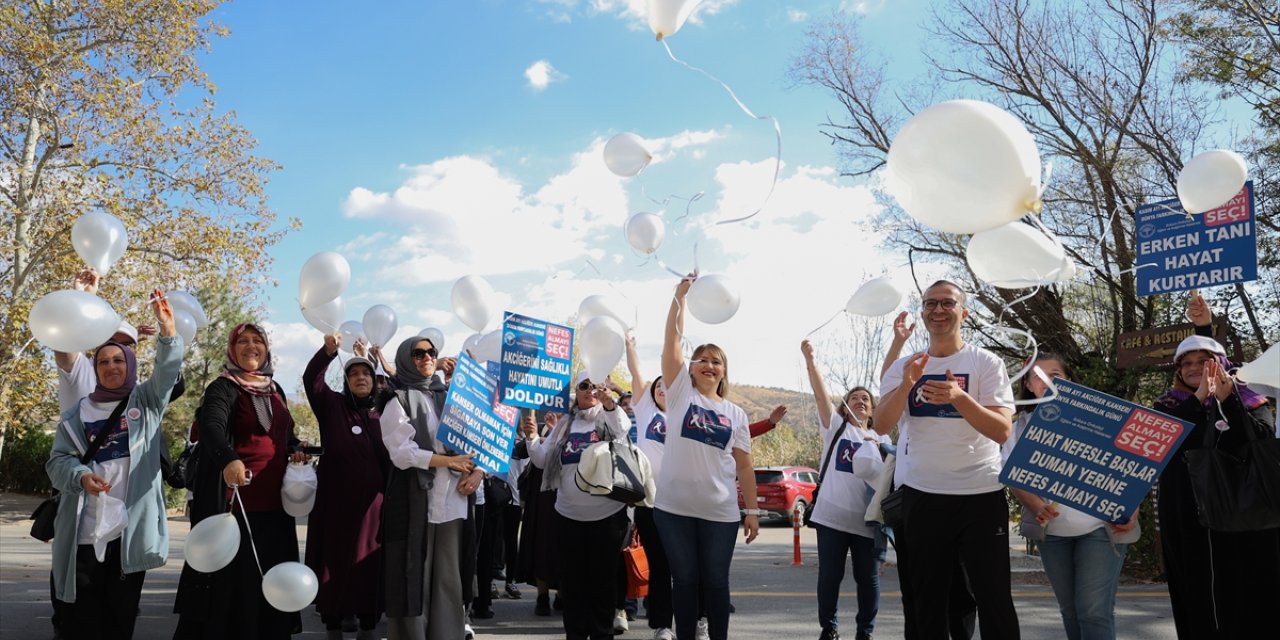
[1180, 391]
[103, 394]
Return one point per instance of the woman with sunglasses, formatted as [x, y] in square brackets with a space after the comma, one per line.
[425, 507]
[709, 447]
[589, 528]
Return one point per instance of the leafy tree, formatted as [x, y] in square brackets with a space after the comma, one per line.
[103, 105]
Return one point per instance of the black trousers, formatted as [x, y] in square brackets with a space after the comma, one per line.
[511, 540]
[106, 603]
[658, 608]
[589, 556]
[488, 519]
[941, 531]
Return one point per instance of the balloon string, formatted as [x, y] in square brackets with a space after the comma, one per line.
[235, 491]
[18, 352]
[777, 131]
[1051, 392]
[1030, 343]
[829, 321]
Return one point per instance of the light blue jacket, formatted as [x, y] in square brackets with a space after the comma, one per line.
[145, 544]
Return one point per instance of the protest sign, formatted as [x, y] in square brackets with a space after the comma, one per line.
[474, 421]
[535, 364]
[1178, 252]
[1093, 452]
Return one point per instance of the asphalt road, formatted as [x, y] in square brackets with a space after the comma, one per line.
[773, 598]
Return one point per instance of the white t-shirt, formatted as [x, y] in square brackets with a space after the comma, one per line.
[651, 424]
[699, 474]
[572, 502]
[842, 501]
[103, 518]
[1070, 522]
[948, 456]
[77, 384]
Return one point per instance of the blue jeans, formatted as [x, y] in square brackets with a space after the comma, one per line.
[699, 552]
[833, 546]
[1085, 571]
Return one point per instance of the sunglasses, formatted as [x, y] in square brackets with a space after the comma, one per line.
[419, 354]
[947, 304]
[585, 385]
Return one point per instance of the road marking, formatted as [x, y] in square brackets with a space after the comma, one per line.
[898, 594]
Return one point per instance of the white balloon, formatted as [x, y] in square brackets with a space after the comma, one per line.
[212, 544]
[185, 325]
[1263, 371]
[875, 297]
[603, 343]
[1211, 179]
[436, 337]
[351, 331]
[713, 299]
[964, 166]
[645, 232]
[472, 299]
[327, 317]
[99, 239]
[290, 586]
[603, 305]
[324, 277]
[183, 301]
[70, 321]
[471, 345]
[488, 348]
[1016, 256]
[380, 325]
[625, 155]
[667, 16]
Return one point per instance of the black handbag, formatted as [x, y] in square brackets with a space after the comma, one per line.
[808, 513]
[46, 513]
[181, 473]
[891, 508]
[1236, 490]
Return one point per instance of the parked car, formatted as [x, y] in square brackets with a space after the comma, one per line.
[780, 490]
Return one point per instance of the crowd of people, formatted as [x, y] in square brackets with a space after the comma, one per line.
[407, 528]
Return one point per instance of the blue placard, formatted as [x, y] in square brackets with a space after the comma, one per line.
[1178, 252]
[474, 421]
[535, 364]
[1093, 452]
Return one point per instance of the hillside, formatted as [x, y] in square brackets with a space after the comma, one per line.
[802, 414]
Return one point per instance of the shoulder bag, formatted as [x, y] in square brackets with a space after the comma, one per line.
[1236, 490]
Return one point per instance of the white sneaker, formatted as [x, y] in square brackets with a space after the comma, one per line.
[468, 632]
[703, 633]
[620, 622]
[664, 634]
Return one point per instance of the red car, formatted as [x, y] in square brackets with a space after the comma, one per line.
[779, 490]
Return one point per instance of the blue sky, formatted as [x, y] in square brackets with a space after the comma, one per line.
[419, 140]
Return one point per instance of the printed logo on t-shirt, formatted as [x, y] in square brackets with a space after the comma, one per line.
[706, 426]
[633, 433]
[657, 429]
[844, 454]
[576, 444]
[918, 408]
[117, 444]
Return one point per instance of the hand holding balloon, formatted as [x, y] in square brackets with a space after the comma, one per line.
[163, 312]
[235, 474]
[86, 280]
[331, 343]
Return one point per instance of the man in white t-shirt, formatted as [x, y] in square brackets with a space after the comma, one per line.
[956, 403]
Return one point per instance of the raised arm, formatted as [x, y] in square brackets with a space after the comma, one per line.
[169, 350]
[901, 333]
[313, 382]
[672, 355]
[633, 365]
[819, 387]
[86, 280]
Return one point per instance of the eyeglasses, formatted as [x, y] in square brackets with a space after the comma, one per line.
[947, 304]
[584, 385]
[420, 354]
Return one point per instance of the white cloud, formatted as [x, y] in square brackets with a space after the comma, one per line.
[634, 12]
[797, 15]
[541, 74]
[864, 7]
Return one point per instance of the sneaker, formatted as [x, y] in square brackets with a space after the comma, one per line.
[512, 591]
[829, 634]
[468, 632]
[702, 633]
[620, 625]
[664, 634]
[862, 635]
[631, 616]
[542, 606]
[494, 594]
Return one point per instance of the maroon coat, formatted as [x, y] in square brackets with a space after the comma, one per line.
[342, 531]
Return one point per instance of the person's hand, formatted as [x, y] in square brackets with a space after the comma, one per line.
[461, 462]
[471, 483]
[1198, 310]
[529, 426]
[447, 365]
[942, 391]
[751, 527]
[235, 475]
[299, 456]
[806, 348]
[552, 419]
[901, 331]
[605, 397]
[1126, 525]
[1218, 380]
[1047, 511]
[611, 385]
[331, 344]
[94, 484]
[163, 312]
[682, 289]
[360, 348]
[145, 330]
[86, 280]
[631, 341]
[776, 415]
[914, 368]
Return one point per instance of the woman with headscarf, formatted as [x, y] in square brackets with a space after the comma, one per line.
[589, 528]
[425, 508]
[110, 526]
[245, 433]
[1221, 584]
[343, 527]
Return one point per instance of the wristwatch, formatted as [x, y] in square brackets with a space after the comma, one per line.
[753, 512]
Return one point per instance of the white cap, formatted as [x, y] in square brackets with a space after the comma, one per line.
[128, 330]
[582, 376]
[298, 491]
[1198, 343]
